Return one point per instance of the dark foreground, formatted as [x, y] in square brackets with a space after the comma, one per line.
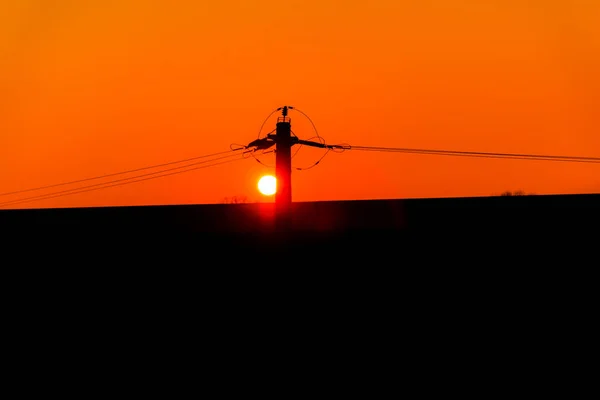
[379, 233]
[482, 286]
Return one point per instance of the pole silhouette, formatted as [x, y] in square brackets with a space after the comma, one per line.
[283, 142]
[283, 172]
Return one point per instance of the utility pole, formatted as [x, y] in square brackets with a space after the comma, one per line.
[283, 142]
[283, 172]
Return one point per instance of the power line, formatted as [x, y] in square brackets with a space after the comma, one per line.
[50, 196]
[315, 163]
[120, 182]
[117, 173]
[265, 121]
[309, 120]
[320, 144]
[538, 157]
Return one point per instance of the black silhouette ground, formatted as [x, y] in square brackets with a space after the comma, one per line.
[384, 232]
[500, 284]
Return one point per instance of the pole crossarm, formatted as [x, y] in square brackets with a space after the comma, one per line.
[322, 145]
[295, 140]
[262, 144]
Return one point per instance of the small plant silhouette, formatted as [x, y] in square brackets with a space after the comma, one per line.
[235, 200]
[515, 193]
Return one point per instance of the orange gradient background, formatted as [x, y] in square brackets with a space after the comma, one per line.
[97, 86]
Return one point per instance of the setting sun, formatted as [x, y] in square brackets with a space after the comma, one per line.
[267, 185]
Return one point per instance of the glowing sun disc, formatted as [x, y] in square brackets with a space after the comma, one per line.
[267, 185]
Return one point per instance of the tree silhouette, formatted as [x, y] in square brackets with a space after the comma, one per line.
[235, 200]
[515, 193]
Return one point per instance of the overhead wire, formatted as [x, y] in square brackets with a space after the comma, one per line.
[320, 139]
[265, 121]
[51, 196]
[479, 154]
[116, 173]
[309, 119]
[125, 181]
[316, 163]
[271, 151]
[262, 163]
[338, 148]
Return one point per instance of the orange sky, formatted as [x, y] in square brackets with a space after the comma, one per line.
[97, 86]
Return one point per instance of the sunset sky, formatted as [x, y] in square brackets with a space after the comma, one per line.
[94, 87]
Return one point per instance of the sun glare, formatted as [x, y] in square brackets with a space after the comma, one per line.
[267, 185]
